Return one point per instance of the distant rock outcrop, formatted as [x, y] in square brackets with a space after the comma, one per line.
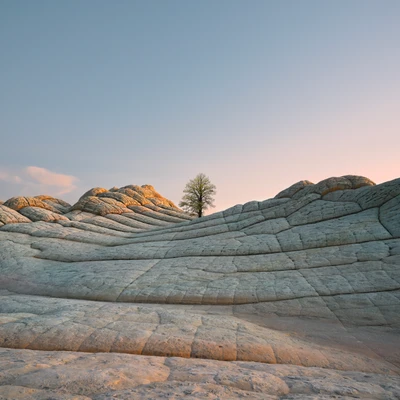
[133, 200]
[18, 203]
[300, 293]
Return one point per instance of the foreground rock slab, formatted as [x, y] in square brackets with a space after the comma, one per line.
[27, 374]
[40, 323]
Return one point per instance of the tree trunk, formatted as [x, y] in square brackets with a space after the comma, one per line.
[201, 206]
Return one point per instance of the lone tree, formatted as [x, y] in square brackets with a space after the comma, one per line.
[198, 195]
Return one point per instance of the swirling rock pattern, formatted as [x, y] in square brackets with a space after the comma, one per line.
[292, 297]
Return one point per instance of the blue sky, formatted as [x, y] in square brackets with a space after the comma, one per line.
[255, 94]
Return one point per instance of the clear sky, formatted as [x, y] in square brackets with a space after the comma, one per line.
[255, 94]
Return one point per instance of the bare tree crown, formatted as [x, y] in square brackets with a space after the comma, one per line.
[198, 195]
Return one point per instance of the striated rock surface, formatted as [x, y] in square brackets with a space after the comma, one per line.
[289, 298]
[60, 205]
[10, 216]
[40, 214]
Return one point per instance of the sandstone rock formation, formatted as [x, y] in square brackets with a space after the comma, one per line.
[292, 297]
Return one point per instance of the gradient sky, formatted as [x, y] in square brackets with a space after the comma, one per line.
[255, 94]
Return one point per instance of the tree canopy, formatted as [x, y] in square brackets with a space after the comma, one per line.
[198, 195]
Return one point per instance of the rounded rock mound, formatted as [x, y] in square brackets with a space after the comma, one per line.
[304, 188]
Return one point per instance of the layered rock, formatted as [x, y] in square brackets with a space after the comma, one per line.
[288, 290]
[140, 203]
[10, 216]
